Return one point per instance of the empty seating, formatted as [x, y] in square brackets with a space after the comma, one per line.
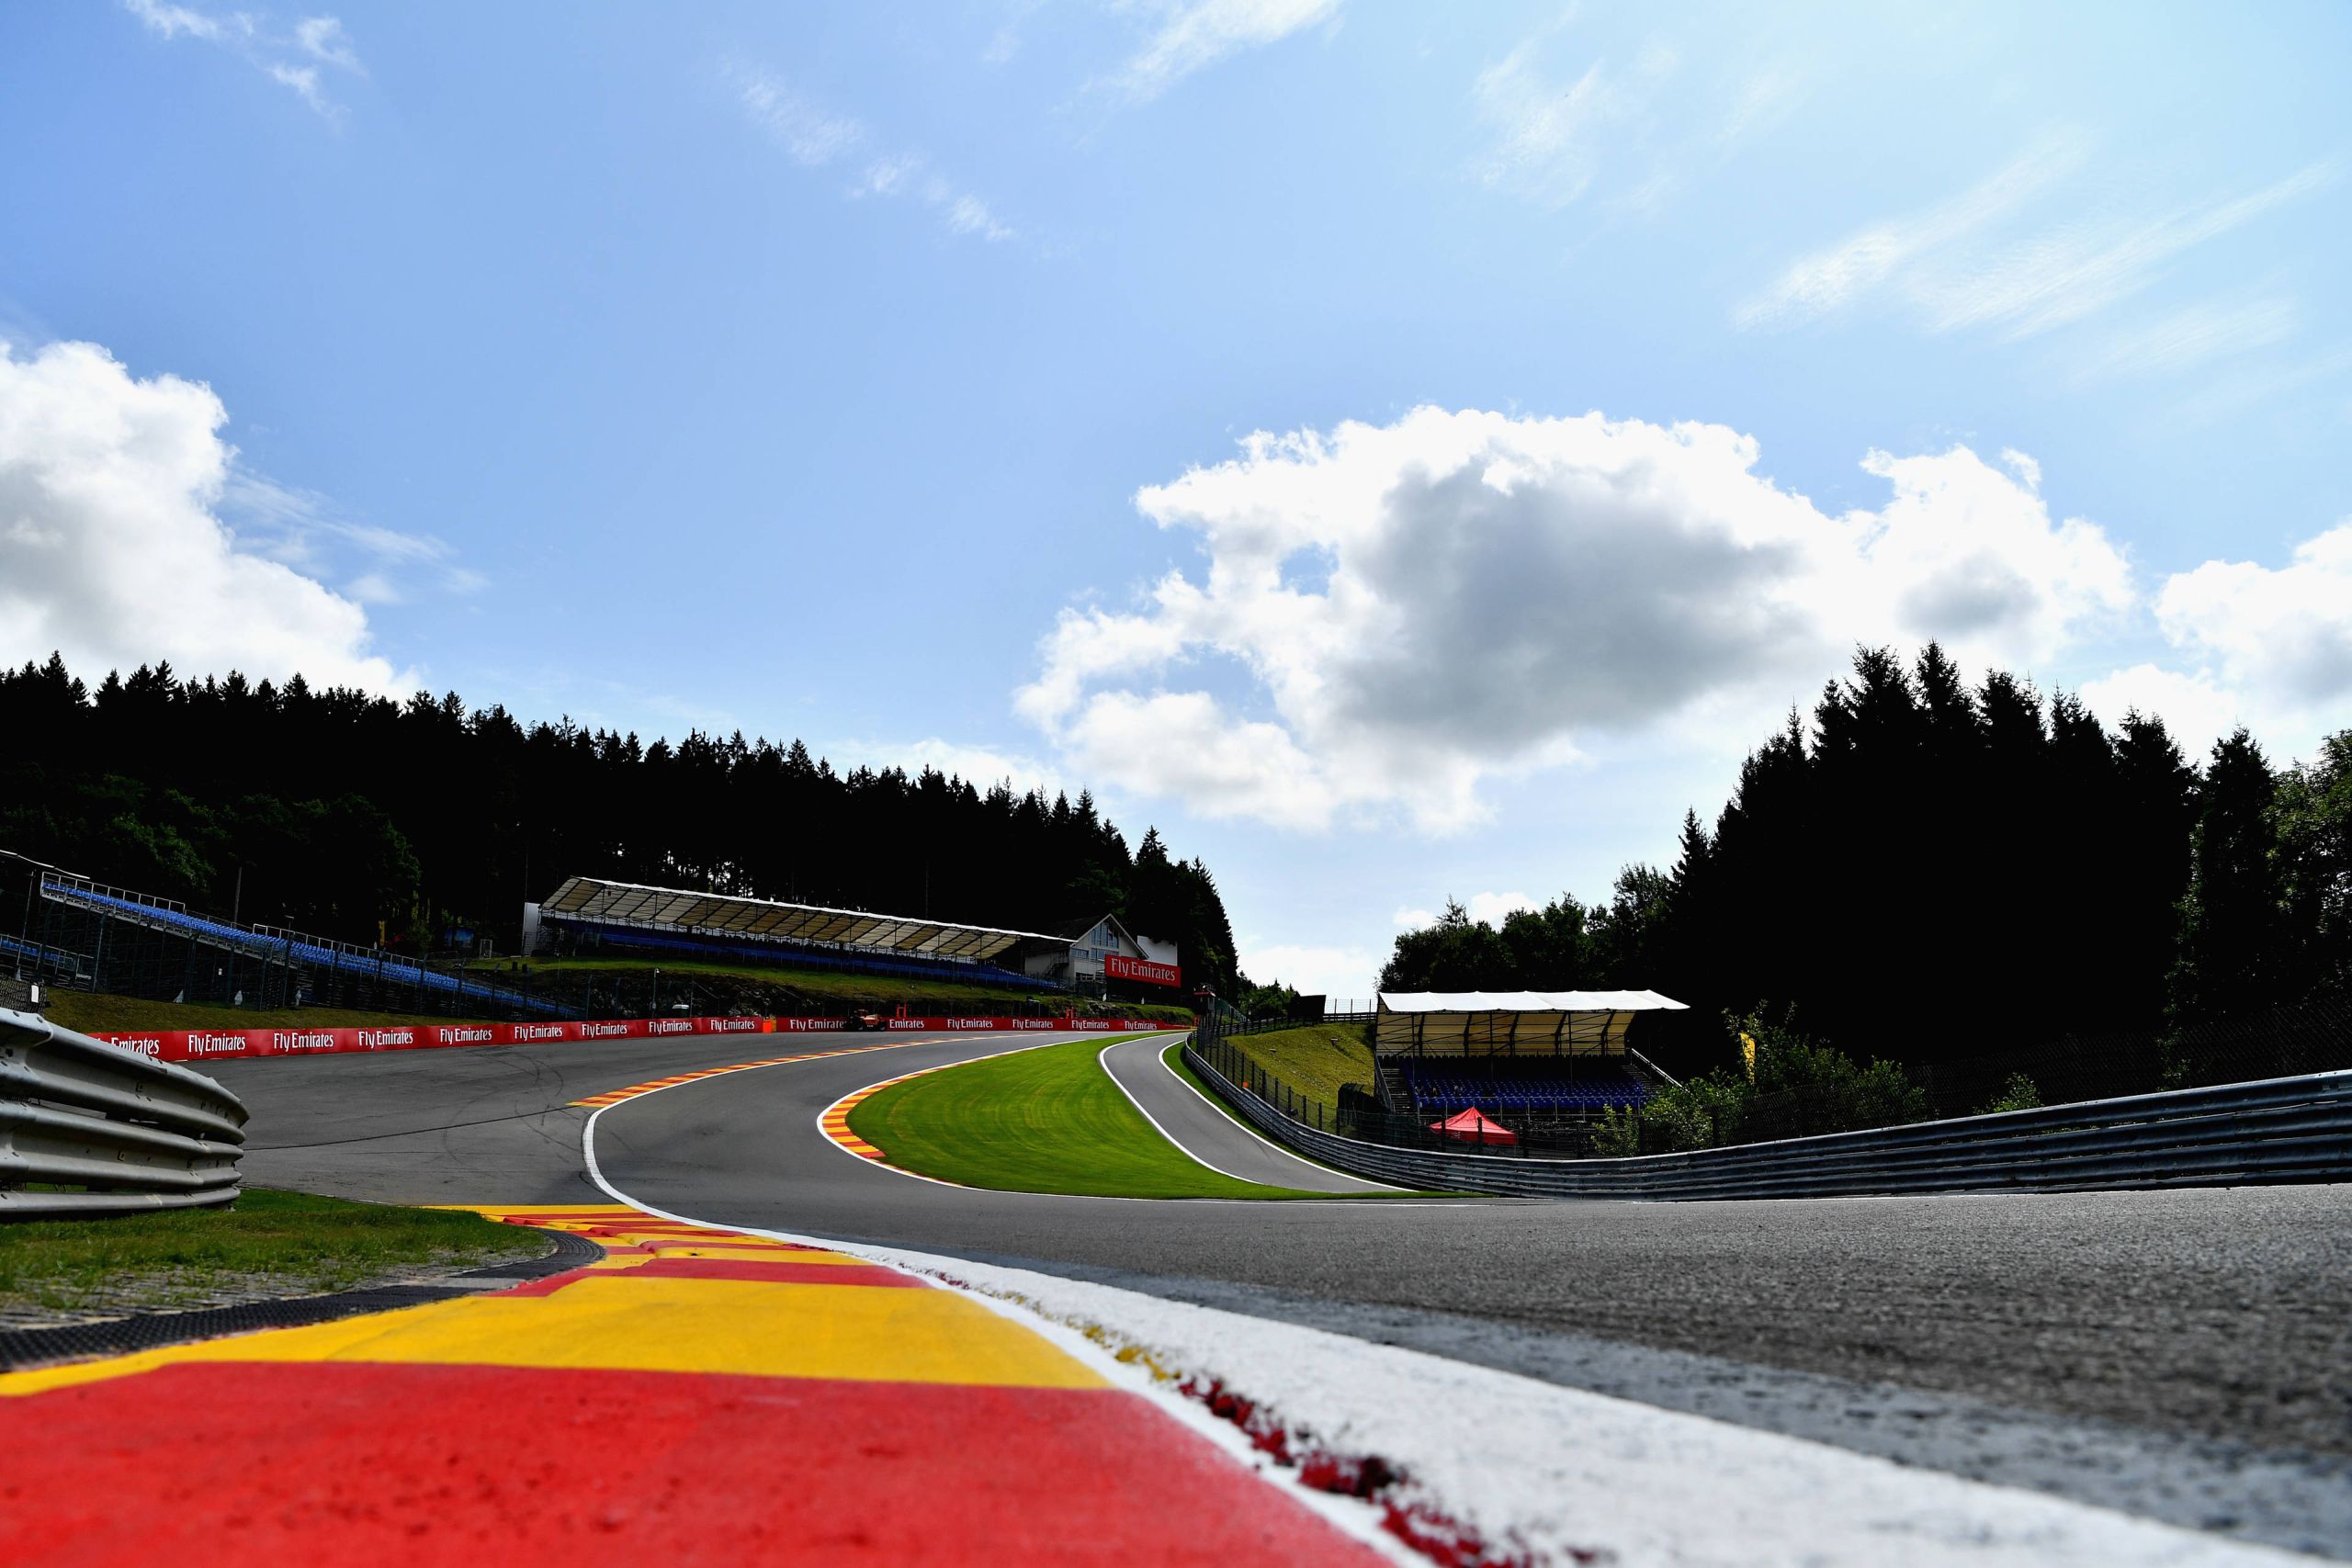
[373, 964]
[1518, 1086]
[880, 962]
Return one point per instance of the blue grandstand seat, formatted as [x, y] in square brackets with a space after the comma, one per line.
[1518, 1085]
[374, 963]
[766, 951]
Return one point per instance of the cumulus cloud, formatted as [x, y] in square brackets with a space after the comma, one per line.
[112, 547]
[291, 60]
[2286, 633]
[2195, 707]
[1398, 612]
[1343, 972]
[2268, 648]
[1493, 908]
[980, 766]
[1199, 33]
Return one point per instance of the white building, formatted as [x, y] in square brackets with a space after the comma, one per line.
[1101, 953]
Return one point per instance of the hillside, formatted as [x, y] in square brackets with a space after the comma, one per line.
[340, 813]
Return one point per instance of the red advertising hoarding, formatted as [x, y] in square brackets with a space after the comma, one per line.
[211, 1044]
[1142, 969]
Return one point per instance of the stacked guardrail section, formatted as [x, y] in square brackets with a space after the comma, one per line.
[2276, 1130]
[128, 1132]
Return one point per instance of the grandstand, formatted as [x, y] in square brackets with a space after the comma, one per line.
[1528, 1058]
[588, 915]
[109, 939]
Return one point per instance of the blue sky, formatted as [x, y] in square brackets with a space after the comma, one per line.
[885, 377]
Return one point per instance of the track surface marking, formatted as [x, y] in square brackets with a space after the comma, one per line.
[696, 1395]
[2182, 1355]
[1206, 1134]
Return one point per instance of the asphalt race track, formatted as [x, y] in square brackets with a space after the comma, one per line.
[2183, 1354]
[1208, 1135]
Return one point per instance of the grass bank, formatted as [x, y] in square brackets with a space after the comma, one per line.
[271, 1243]
[99, 1013]
[772, 986]
[1315, 1058]
[1047, 1120]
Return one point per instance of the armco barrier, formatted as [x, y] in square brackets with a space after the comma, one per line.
[2271, 1131]
[214, 1044]
[75, 1111]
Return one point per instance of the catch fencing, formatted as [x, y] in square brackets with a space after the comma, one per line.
[2282, 1130]
[90, 1128]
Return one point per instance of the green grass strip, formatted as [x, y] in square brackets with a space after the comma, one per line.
[1046, 1120]
[286, 1243]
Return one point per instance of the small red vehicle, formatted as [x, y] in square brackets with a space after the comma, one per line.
[861, 1017]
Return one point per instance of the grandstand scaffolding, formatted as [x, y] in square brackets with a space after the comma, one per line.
[588, 913]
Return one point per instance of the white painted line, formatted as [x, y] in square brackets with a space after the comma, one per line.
[884, 1083]
[1147, 1116]
[1361, 1521]
[1559, 1473]
[1161, 1057]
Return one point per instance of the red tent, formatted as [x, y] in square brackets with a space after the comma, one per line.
[1472, 1126]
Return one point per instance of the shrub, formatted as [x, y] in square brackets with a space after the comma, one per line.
[1788, 1085]
[2018, 1094]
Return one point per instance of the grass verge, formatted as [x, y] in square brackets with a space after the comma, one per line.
[830, 984]
[1174, 1057]
[1047, 1120]
[94, 1012]
[1315, 1058]
[272, 1243]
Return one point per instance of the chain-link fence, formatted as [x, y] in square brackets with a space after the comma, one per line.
[2311, 1036]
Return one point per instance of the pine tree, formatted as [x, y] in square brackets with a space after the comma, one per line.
[2231, 927]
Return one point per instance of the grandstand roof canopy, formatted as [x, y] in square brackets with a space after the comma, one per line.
[671, 908]
[1527, 1001]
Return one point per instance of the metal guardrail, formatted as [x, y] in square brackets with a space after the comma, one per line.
[2275, 1130]
[136, 1134]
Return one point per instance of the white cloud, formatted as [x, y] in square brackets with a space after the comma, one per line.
[980, 766]
[2189, 337]
[323, 38]
[301, 529]
[1548, 125]
[2284, 636]
[1965, 262]
[1198, 33]
[291, 61]
[1337, 971]
[2080, 268]
[112, 549]
[1493, 908]
[2270, 648]
[1407, 610]
[811, 136]
[970, 215]
[2196, 710]
[1884, 252]
[815, 137]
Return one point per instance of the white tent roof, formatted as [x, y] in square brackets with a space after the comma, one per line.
[1526, 1001]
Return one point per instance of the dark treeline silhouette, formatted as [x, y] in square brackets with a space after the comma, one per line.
[1936, 871]
[333, 810]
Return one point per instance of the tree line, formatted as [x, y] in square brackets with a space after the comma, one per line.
[337, 812]
[1933, 870]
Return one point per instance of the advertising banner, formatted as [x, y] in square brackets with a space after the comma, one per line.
[212, 1044]
[1142, 970]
